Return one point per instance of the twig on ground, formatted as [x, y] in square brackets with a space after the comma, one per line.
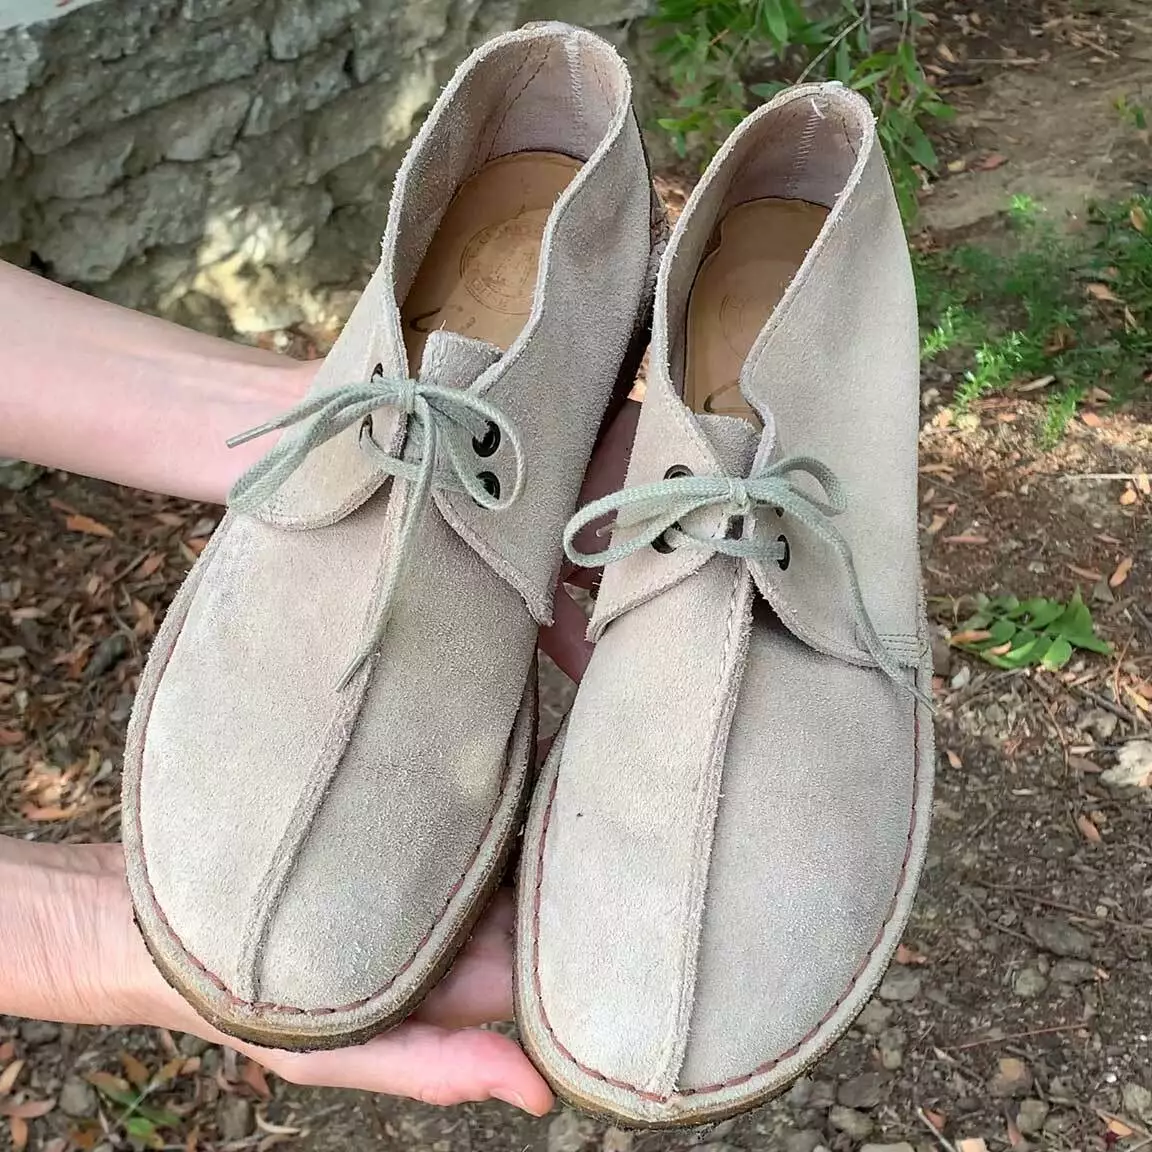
[937, 1135]
[1115, 921]
[1016, 1036]
[1108, 705]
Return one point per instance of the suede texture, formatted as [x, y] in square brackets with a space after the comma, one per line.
[729, 725]
[304, 859]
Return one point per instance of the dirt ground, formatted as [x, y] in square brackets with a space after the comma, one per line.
[1021, 1013]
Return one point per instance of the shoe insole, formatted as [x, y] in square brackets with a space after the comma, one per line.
[478, 277]
[760, 246]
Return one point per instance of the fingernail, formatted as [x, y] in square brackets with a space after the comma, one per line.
[510, 1097]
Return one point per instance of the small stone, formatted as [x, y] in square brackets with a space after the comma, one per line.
[962, 676]
[941, 654]
[1012, 1079]
[1029, 983]
[1059, 1122]
[1057, 936]
[900, 984]
[190, 1045]
[77, 1098]
[800, 1094]
[863, 1091]
[570, 1132]
[234, 1118]
[1101, 723]
[875, 1017]
[36, 1032]
[616, 1140]
[806, 1141]
[892, 1041]
[714, 1133]
[1137, 1101]
[858, 1125]
[109, 652]
[1031, 1116]
[901, 1147]
[823, 1094]
[16, 475]
[1073, 972]
[1102, 594]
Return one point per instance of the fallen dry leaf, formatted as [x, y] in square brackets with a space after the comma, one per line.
[1121, 574]
[972, 1144]
[1082, 764]
[253, 1075]
[150, 565]
[1037, 384]
[193, 1141]
[1091, 419]
[965, 539]
[7, 1051]
[105, 1080]
[1138, 699]
[1119, 1129]
[938, 522]
[265, 1125]
[78, 522]
[48, 813]
[136, 1072]
[906, 955]
[197, 544]
[9, 1075]
[1128, 497]
[971, 636]
[170, 519]
[169, 1071]
[1086, 573]
[1138, 218]
[1102, 292]
[991, 162]
[18, 1127]
[1143, 483]
[29, 1110]
[1015, 1138]
[953, 759]
[1087, 828]
[937, 1119]
[10, 737]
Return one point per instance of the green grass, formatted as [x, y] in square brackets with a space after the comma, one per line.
[1075, 306]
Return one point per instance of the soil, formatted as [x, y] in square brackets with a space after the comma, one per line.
[1020, 1014]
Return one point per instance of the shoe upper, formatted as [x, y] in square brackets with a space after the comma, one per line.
[296, 846]
[744, 775]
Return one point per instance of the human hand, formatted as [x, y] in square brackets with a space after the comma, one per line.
[74, 954]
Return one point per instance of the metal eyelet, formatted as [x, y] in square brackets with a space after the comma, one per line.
[378, 371]
[490, 482]
[487, 444]
[786, 559]
[661, 544]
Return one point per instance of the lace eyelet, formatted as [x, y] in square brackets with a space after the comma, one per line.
[678, 470]
[487, 444]
[366, 427]
[661, 544]
[378, 371]
[490, 482]
[786, 559]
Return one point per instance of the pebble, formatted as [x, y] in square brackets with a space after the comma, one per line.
[962, 677]
[190, 1045]
[901, 1147]
[863, 1091]
[1031, 1116]
[77, 1098]
[892, 1042]
[900, 984]
[234, 1118]
[800, 1093]
[35, 1032]
[570, 1132]
[823, 1094]
[941, 654]
[1060, 1122]
[875, 1017]
[1029, 983]
[1012, 1079]
[617, 1140]
[1057, 936]
[716, 1132]
[806, 1141]
[858, 1125]
[1137, 1101]
[1073, 972]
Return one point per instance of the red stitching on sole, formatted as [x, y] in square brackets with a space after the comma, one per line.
[770, 1064]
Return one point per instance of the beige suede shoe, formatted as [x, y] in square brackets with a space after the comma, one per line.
[332, 738]
[724, 845]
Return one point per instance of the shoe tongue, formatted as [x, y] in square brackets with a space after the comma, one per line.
[454, 361]
[734, 440]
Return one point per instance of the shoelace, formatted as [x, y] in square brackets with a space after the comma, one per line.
[658, 510]
[436, 412]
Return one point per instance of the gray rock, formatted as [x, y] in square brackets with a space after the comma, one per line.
[190, 1045]
[714, 1133]
[204, 124]
[1030, 1119]
[806, 1141]
[200, 313]
[800, 1094]
[87, 168]
[299, 26]
[212, 9]
[1060, 1122]
[21, 62]
[941, 654]
[892, 1042]
[1057, 936]
[863, 1091]
[7, 150]
[77, 1097]
[570, 1132]
[1073, 972]
[875, 1017]
[1013, 1078]
[901, 1147]
[284, 91]
[1137, 1101]
[234, 1118]
[37, 1032]
[822, 1095]
[617, 1140]
[858, 1125]
[16, 475]
[1029, 983]
[900, 984]
[1101, 723]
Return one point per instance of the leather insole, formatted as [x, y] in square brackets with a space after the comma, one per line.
[478, 277]
[760, 246]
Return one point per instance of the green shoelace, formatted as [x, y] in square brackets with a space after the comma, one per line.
[438, 415]
[657, 511]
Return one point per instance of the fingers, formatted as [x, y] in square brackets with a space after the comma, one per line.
[564, 640]
[423, 1062]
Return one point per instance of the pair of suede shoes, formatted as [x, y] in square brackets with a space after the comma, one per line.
[333, 742]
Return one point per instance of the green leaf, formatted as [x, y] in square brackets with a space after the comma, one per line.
[1057, 655]
[769, 90]
[1041, 612]
[117, 1095]
[1001, 632]
[160, 1117]
[776, 19]
[919, 147]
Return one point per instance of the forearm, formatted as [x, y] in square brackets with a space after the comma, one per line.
[94, 388]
